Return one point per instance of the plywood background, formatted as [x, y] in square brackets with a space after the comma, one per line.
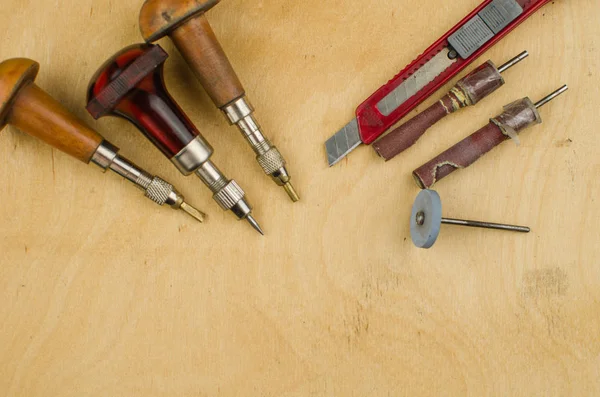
[104, 294]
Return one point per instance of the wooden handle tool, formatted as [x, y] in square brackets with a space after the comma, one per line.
[29, 108]
[516, 117]
[471, 89]
[185, 22]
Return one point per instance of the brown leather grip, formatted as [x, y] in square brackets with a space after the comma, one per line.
[38, 114]
[516, 117]
[408, 134]
[199, 46]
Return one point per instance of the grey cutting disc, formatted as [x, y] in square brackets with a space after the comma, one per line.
[429, 203]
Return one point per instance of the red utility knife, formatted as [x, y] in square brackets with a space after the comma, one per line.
[454, 51]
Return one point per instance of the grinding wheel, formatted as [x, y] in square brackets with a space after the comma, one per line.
[426, 219]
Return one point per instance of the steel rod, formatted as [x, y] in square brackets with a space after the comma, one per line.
[550, 97]
[486, 225]
[513, 61]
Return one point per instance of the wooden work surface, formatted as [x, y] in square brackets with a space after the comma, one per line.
[102, 293]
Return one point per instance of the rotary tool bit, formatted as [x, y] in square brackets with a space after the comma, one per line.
[130, 85]
[27, 107]
[471, 89]
[426, 220]
[185, 23]
[517, 116]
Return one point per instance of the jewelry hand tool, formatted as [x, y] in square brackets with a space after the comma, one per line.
[426, 220]
[27, 107]
[186, 24]
[130, 85]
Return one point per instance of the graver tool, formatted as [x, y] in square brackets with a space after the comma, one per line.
[471, 89]
[130, 85]
[481, 29]
[517, 116]
[185, 23]
[29, 108]
[426, 220]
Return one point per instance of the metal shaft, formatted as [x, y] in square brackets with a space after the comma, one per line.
[227, 193]
[156, 189]
[241, 113]
[513, 62]
[550, 97]
[486, 225]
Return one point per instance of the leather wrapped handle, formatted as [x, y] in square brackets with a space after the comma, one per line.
[467, 92]
[202, 51]
[38, 114]
[516, 117]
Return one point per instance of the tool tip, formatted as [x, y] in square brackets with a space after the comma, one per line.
[254, 224]
[193, 212]
[291, 192]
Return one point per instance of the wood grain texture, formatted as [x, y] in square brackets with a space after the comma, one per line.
[102, 294]
[197, 43]
[159, 17]
[14, 75]
[36, 113]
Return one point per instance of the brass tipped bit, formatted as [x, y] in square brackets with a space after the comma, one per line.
[254, 224]
[193, 212]
[291, 192]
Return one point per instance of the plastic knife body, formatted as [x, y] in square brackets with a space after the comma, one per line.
[448, 56]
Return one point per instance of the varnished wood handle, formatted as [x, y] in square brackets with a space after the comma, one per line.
[38, 114]
[199, 46]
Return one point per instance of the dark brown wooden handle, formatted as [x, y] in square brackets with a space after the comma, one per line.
[408, 134]
[199, 46]
[38, 114]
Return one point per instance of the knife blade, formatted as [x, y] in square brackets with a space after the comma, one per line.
[448, 56]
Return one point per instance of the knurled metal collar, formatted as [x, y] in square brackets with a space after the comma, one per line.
[272, 161]
[159, 191]
[229, 195]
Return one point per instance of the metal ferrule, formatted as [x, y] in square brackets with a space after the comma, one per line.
[270, 159]
[156, 189]
[191, 157]
[228, 194]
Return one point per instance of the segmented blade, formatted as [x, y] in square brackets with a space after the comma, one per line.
[348, 138]
[343, 142]
[415, 83]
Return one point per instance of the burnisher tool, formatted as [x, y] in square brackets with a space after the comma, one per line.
[517, 116]
[27, 107]
[130, 85]
[469, 90]
[426, 220]
[186, 24]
